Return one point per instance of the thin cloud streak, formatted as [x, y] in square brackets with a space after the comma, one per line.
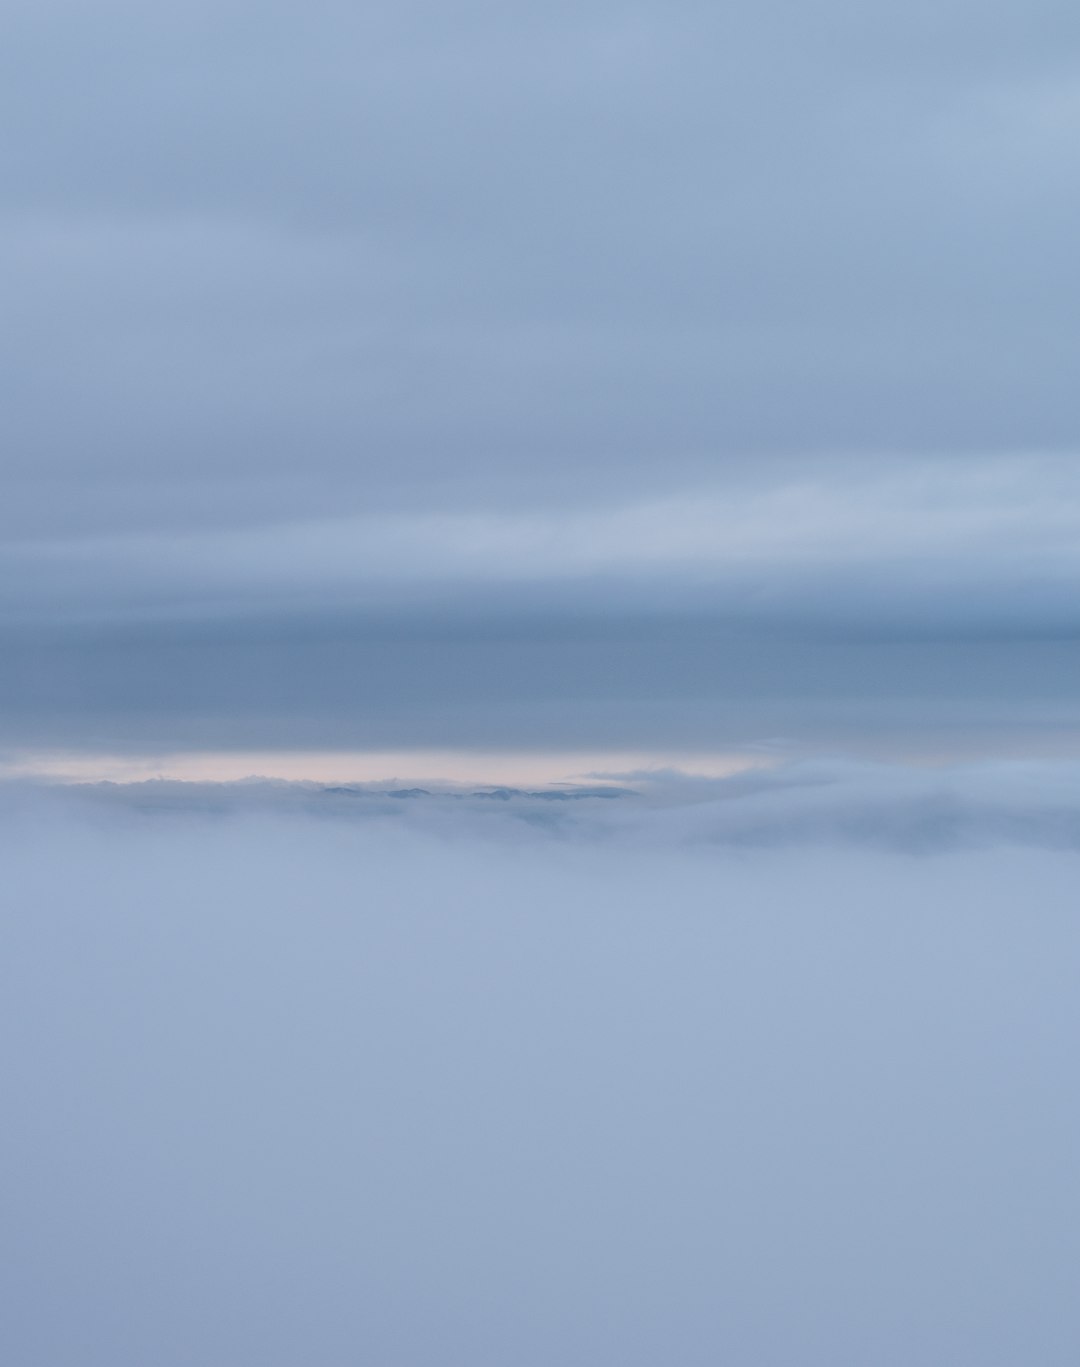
[916, 528]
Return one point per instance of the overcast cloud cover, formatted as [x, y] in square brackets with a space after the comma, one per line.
[637, 372]
[666, 411]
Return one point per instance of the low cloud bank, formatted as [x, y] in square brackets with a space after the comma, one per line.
[690, 1076]
[813, 802]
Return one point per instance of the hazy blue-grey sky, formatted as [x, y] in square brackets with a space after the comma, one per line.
[505, 392]
[599, 375]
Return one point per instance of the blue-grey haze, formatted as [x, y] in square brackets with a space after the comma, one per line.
[651, 388]
[684, 683]
[601, 362]
[720, 1074]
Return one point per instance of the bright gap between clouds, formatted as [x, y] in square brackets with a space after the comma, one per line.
[367, 766]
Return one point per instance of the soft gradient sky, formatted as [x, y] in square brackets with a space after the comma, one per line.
[522, 380]
[677, 395]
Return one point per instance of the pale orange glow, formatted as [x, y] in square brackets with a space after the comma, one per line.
[366, 766]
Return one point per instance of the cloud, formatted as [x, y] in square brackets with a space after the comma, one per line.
[632, 382]
[916, 527]
[387, 1089]
[712, 331]
[802, 803]
[386, 259]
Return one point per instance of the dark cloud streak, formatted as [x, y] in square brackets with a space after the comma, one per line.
[541, 682]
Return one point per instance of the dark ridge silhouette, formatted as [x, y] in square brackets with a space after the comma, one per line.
[500, 794]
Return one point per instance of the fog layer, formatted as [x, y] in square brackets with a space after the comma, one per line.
[280, 1090]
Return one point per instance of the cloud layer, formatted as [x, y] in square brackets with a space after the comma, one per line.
[610, 324]
[260, 263]
[765, 805]
[455, 1090]
[505, 254]
[929, 607]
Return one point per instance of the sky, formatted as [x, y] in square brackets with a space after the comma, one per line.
[546, 383]
[539, 659]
